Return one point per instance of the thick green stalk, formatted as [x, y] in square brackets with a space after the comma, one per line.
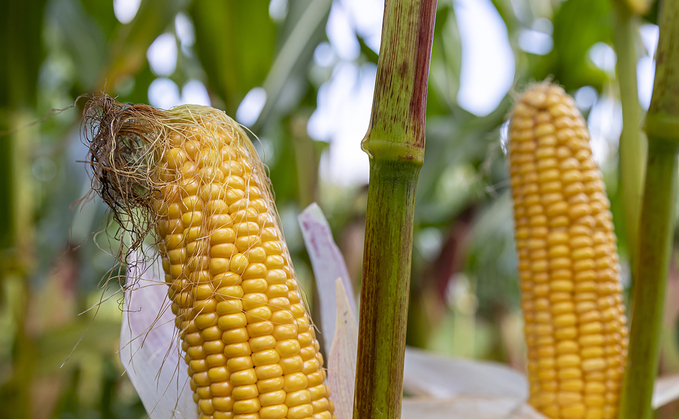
[632, 150]
[657, 222]
[395, 144]
[655, 244]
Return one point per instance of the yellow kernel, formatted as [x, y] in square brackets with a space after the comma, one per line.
[258, 314]
[262, 328]
[218, 374]
[224, 250]
[573, 411]
[244, 377]
[233, 292]
[272, 398]
[229, 307]
[291, 365]
[192, 218]
[222, 235]
[245, 392]
[265, 357]
[238, 335]
[246, 406]
[205, 406]
[287, 348]
[211, 333]
[567, 361]
[285, 331]
[213, 347]
[593, 364]
[571, 385]
[300, 412]
[239, 263]
[237, 349]
[268, 372]
[278, 411]
[262, 343]
[204, 321]
[255, 270]
[216, 360]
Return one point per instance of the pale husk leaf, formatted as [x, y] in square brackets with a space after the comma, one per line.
[149, 345]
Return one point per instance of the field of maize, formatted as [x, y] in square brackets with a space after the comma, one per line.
[166, 260]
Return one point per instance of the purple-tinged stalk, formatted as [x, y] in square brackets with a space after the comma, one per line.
[395, 144]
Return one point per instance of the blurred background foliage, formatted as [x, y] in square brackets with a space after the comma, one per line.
[299, 74]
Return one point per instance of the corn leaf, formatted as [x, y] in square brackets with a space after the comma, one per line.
[127, 51]
[149, 345]
[342, 356]
[229, 32]
[328, 265]
[666, 390]
[304, 29]
[468, 408]
[428, 374]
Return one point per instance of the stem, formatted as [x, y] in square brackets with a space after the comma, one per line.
[657, 222]
[395, 144]
[655, 244]
[632, 150]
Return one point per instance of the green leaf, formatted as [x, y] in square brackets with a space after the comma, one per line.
[446, 58]
[235, 43]
[128, 49]
[578, 24]
[303, 30]
[82, 38]
[21, 51]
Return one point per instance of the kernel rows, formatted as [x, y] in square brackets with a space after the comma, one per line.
[250, 348]
[574, 317]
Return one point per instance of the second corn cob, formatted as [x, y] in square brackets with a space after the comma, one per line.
[248, 341]
[575, 324]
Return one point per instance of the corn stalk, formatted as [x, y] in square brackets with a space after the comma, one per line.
[632, 148]
[657, 222]
[395, 144]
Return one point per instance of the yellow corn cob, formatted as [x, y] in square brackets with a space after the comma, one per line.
[575, 324]
[250, 348]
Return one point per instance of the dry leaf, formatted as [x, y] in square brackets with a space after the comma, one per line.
[149, 347]
[328, 265]
[428, 374]
[342, 356]
[468, 408]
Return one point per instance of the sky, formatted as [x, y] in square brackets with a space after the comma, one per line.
[344, 101]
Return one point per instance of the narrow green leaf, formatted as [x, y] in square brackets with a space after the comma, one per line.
[235, 42]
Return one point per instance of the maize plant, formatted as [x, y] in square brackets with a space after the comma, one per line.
[191, 179]
[575, 325]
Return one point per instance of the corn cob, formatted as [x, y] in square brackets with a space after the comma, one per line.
[574, 316]
[248, 341]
